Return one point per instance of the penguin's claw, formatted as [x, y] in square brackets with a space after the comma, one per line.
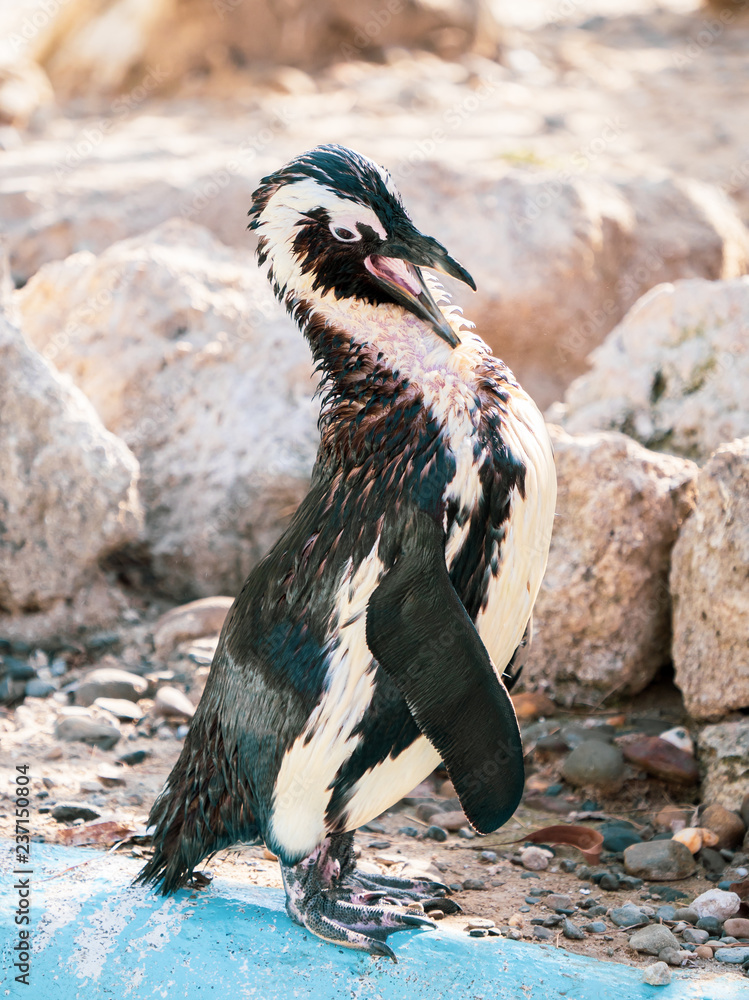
[354, 925]
[430, 895]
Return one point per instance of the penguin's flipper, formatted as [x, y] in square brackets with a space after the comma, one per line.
[423, 638]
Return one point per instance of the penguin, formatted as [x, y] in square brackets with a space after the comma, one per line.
[375, 639]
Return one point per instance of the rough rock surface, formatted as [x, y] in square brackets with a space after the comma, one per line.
[602, 618]
[189, 621]
[178, 343]
[710, 587]
[69, 488]
[724, 753]
[685, 352]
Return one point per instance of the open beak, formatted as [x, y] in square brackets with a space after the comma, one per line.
[398, 269]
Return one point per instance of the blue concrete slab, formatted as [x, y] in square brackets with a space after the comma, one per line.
[94, 936]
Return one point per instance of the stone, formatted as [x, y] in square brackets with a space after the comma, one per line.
[595, 927]
[609, 882]
[659, 861]
[694, 935]
[188, 622]
[82, 730]
[657, 974]
[111, 776]
[68, 812]
[695, 838]
[679, 737]
[673, 956]
[653, 939]
[686, 914]
[36, 688]
[595, 763]
[558, 901]
[173, 703]
[708, 584]
[110, 682]
[626, 916]
[453, 820]
[662, 759]
[713, 862]
[532, 705]
[69, 489]
[737, 927]
[475, 884]
[685, 352]
[728, 826]
[732, 956]
[535, 859]
[672, 818]
[437, 833]
[571, 931]
[121, 708]
[703, 952]
[209, 353]
[617, 838]
[619, 511]
[716, 903]
[724, 755]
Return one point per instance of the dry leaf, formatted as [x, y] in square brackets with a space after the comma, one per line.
[587, 841]
[103, 833]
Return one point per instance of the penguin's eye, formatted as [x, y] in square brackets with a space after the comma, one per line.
[344, 235]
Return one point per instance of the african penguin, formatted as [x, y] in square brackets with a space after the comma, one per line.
[370, 643]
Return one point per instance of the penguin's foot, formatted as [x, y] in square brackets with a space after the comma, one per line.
[325, 894]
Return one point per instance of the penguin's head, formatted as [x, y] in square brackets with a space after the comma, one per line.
[332, 222]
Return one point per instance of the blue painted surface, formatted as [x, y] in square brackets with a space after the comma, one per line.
[97, 937]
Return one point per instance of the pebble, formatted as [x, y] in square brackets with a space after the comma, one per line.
[616, 838]
[572, 931]
[134, 757]
[466, 833]
[67, 812]
[664, 912]
[732, 956]
[595, 927]
[425, 810]
[686, 913]
[659, 860]
[662, 759]
[111, 776]
[480, 922]
[36, 688]
[716, 903]
[490, 857]
[653, 939]
[121, 708]
[694, 935]
[657, 974]
[543, 933]
[568, 865]
[173, 703]
[437, 833]
[453, 820]
[737, 927]
[674, 956]
[477, 932]
[728, 826]
[408, 831]
[595, 763]
[695, 838]
[81, 730]
[710, 924]
[556, 901]
[626, 916]
[535, 859]
[712, 861]
[702, 951]
[671, 818]
[110, 682]
[533, 705]
[680, 738]
[474, 883]
[609, 882]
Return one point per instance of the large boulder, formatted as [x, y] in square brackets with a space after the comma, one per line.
[602, 618]
[710, 588]
[558, 259]
[68, 490]
[674, 374]
[180, 346]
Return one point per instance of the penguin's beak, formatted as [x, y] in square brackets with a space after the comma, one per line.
[398, 269]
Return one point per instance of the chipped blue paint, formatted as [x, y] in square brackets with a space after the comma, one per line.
[95, 936]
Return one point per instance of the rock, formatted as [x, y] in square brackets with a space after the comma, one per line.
[68, 812]
[708, 583]
[81, 730]
[659, 861]
[111, 776]
[619, 510]
[595, 763]
[121, 708]
[685, 352]
[595, 927]
[713, 862]
[533, 705]
[189, 621]
[695, 838]
[726, 825]
[694, 935]
[732, 956]
[453, 820]
[437, 833]
[36, 688]
[716, 903]
[173, 703]
[557, 901]
[686, 914]
[703, 952]
[626, 916]
[69, 489]
[674, 956]
[662, 759]
[653, 939]
[680, 738]
[110, 682]
[134, 757]
[617, 837]
[571, 931]
[475, 884]
[209, 354]
[543, 933]
[657, 974]
[724, 754]
[535, 859]
[671, 818]
[737, 927]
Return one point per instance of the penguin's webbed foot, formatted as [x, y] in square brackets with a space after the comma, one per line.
[325, 894]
